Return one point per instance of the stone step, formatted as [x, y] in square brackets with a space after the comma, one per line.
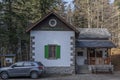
[82, 69]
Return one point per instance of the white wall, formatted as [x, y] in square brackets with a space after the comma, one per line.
[61, 38]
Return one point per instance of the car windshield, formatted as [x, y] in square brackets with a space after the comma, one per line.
[18, 64]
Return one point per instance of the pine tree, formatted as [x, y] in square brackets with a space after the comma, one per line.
[15, 17]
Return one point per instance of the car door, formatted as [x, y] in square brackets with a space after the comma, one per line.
[27, 67]
[16, 69]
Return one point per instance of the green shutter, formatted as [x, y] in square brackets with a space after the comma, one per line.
[58, 51]
[46, 51]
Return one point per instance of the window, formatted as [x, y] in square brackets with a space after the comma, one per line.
[28, 64]
[80, 53]
[52, 51]
[98, 53]
[92, 53]
[19, 64]
[52, 22]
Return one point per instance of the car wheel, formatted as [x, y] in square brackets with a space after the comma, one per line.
[4, 75]
[34, 75]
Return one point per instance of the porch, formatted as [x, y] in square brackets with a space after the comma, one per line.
[96, 55]
[101, 68]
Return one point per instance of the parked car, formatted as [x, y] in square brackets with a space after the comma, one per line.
[25, 68]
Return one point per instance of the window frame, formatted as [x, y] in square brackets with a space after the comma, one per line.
[52, 54]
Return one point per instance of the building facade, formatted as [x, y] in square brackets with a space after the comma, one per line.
[57, 44]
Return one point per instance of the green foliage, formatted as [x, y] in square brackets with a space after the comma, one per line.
[15, 17]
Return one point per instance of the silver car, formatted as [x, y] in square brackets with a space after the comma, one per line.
[26, 68]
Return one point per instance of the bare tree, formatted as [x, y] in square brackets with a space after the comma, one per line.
[95, 12]
[113, 23]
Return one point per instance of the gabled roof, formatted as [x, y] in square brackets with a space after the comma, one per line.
[59, 17]
[90, 33]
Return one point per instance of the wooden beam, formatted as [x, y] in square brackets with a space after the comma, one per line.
[110, 55]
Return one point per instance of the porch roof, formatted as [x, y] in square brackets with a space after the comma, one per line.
[94, 43]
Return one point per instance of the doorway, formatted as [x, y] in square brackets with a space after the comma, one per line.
[96, 56]
[81, 56]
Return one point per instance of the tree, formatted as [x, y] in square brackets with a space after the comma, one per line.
[91, 13]
[15, 17]
[80, 13]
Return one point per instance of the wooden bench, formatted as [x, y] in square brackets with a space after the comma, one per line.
[102, 68]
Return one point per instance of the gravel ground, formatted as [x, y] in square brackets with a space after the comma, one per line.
[114, 76]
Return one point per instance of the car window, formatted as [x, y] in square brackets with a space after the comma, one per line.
[28, 64]
[39, 63]
[19, 64]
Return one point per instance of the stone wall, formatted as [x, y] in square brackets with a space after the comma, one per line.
[73, 54]
[59, 70]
